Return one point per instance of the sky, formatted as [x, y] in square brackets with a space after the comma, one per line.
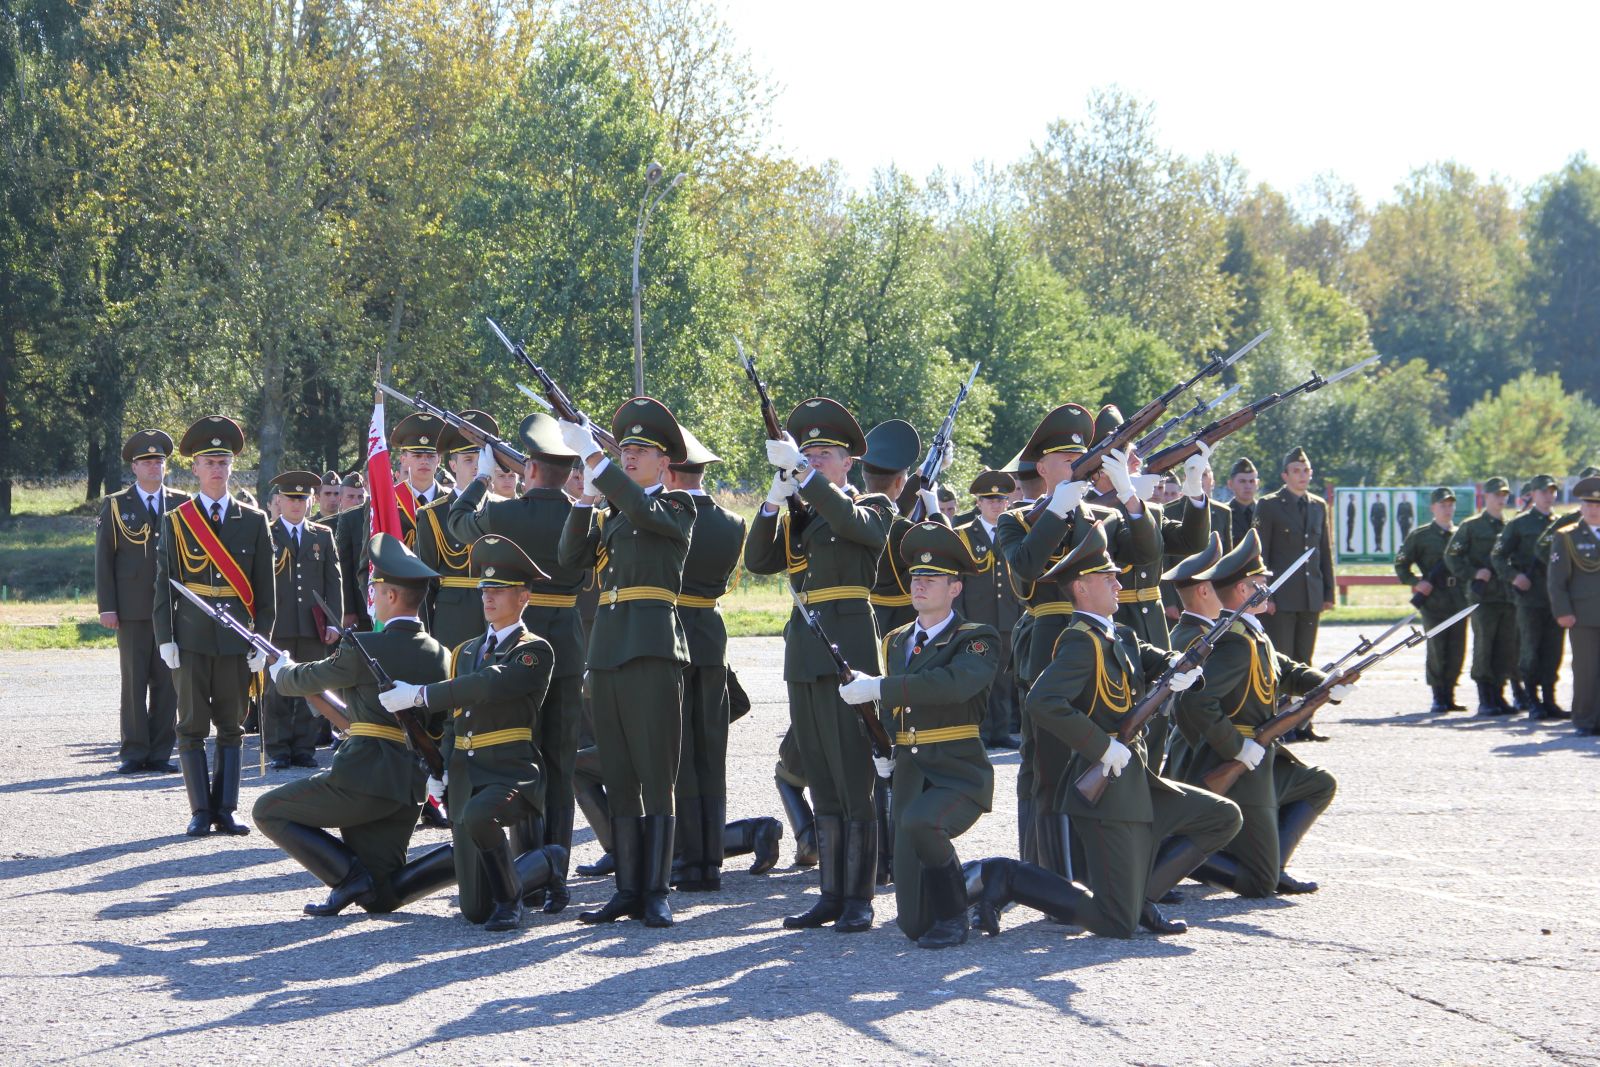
[1367, 91]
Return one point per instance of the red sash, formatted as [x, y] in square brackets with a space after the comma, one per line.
[199, 527]
[407, 501]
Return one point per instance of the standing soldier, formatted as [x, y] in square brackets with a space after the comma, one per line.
[455, 608]
[497, 682]
[1515, 559]
[638, 545]
[533, 522]
[221, 550]
[1290, 520]
[892, 447]
[1494, 633]
[934, 695]
[307, 566]
[330, 498]
[1437, 595]
[1574, 583]
[126, 543]
[374, 789]
[836, 551]
[987, 597]
[348, 528]
[1243, 482]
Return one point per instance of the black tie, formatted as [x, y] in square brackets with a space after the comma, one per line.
[916, 644]
[489, 647]
[296, 532]
[216, 514]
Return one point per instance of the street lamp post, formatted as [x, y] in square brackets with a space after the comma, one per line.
[652, 197]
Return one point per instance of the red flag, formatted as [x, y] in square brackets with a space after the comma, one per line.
[380, 487]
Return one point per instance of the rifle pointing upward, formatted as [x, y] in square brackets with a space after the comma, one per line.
[930, 466]
[1092, 783]
[769, 417]
[510, 455]
[560, 402]
[882, 746]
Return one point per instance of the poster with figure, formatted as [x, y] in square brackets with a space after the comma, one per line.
[1370, 523]
[1378, 517]
[1350, 539]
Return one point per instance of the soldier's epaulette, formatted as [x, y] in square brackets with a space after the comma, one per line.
[970, 626]
[1239, 627]
[1094, 508]
[875, 500]
[313, 524]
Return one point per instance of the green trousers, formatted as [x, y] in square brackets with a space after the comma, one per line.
[1538, 644]
[703, 768]
[1294, 633]
[560, 716]
[638, 709]
[1494, 643]
[1446, 652]
[476, 827]
[212, 691]
[1256, 847]
[834, 749]
[377, 829]
[927, 819]
[149, 701]
[288, 728]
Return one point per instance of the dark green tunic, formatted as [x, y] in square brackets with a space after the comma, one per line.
[1421, 555]
[714, 551]
[1494, 629]
[1516, 552]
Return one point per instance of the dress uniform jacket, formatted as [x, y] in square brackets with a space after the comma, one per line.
[1516, 552]
[1574, 583]
[455, 607]
[1287, 529]
[246, 538]
[1185, 530]
[312, 567]
[714, 552]
[988, 596]
[348, 526]
[125, 543]
[1470, 549]
[1421, 555]
[891, 590]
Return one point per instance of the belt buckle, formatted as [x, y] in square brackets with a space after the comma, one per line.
[612, 595]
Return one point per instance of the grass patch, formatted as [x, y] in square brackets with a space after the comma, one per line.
[63, 635]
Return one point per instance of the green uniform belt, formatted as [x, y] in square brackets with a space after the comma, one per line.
[637, 592]
[891, 600]
[836, 592]
[1055, 607]
[384, 733]
[1137, 596]
[469, 744]
[914, 736]
[686, 600]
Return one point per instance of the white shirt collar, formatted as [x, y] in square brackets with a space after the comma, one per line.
[1594, 531]
[296, 528]
[936, 629]
[988, 527]
[695, 492]
[1195, 615]
[206, 502]
[500, 636]
[1253, 621]
[1105, 624]
[402, 618]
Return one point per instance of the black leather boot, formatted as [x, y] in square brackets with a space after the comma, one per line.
[1548, 704]
[801, 821]
[658, 834]
[1521, 696]
[197, 785]
[1450, 699]
[1499, 693]
[627, 849]
[688, 870]
[1025, 831]
[597, 810]
[540, 871]
[1487, 705]
[225, 792]
[424, 876]
[759, 837]
[880, 801]
[860, 870]
[331, 862]
[1441, 701]
[713, 820]
[946, 888]
[1008, 880]
[1294, 819]
[1175, 858]
[1219, 869]
[500, 874]
[526, 836]
[558, 835]
[829, 831]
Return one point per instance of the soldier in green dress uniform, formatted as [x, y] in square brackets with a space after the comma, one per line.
[1516, 560]
[492, 781]
[221, 549]
[1436, 594]
[934, 697]
[835, 552]
[1146, 832]
[987, 596]
[330, 497]
[638, 544]
[1279, 797]
[1494, 631]
[375, 788]
[455, 608]
[1574, 584]
[892, 448]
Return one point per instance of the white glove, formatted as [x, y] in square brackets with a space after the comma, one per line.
[1146, 484]
[1193, 468]
[1183, 681]
[169, 655]
[947, 457]
[930, 500]
[256, 661]
[1115, 464]
[590, 489]
[487, 467]
[1066, 496]
[578, 438]
[403, 695]
[1339, 692]
[884, 766]
[278, 666]
[436, 789]
[862, 689]
[784, 453]
[1116, 757]
[783, 488]
[1251, 754]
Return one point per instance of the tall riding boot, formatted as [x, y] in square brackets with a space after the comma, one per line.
[658, 834]
[540, 870]
[1219, 869]
[880, 801]
[627, 848]
[558, 834]
[1441, 701]
[1499, 690]
[331, 862]
[197, 784]
[1025, 830]
[947, 899]
[525, 836]
[500, 874]
[1047, 843]
[713, 820]
[754, 836]
[1521, 695]
[1008, 880]
[1552, 710]
[801, 821]
[860, 868]
[1294, 819]
[597, 810]
[830, 837]
[688, 868]
[1450, 699]
[225, 791]
[1487, 704]
[424, 876]
[1175, 858]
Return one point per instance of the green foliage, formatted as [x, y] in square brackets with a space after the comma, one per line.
[1532, 425]
[1563, 280]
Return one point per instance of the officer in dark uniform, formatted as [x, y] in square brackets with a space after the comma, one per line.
[1290, 520]
[221, 550]
[835, 551]
[374, 789]
[1243, 481]
[1516, 560]
[934, 696]
[987, 596]
[1494, 633]
[1574, 583]
[307, 566]
[330, 498]
[497, 683]
[638, 544]
[1436, 594]
[126, 543]
[348, 528]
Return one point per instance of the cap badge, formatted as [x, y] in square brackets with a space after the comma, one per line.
[813, 403]
[814, 432]
[488, 572]
[1077, 438]
[636, 428]
[491, 540]
[642, 401]
[216, 440]
[423, 439]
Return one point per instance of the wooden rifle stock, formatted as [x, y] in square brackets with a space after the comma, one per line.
[1175, 455]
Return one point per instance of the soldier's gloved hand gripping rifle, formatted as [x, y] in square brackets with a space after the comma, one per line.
[882, 746]
[560, 403]
[769, 419]
[929, 472]
[508, 453]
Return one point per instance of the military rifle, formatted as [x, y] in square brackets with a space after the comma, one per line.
[882, 746]
[1157, 436]
[769, 416]
[930, 466]
[560, 402]
[1363, 646]
[1092, 783]
[503, 449]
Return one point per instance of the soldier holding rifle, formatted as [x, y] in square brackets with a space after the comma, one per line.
[1436, 594]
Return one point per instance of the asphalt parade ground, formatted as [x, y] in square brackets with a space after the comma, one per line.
[1458, 922]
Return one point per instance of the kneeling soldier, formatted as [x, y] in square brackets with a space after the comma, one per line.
[936, 692]
[375, 788]
[492, 780]
[1280, 797]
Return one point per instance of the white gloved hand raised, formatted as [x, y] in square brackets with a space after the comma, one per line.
[278, 666]
[579, 438]
[486, 464]
[930, 500]
[783, 488]
[1065, 496]
[1115, 758]
[884, 766]
[169, 655]
[403, 695]
[862, 689]
[1194, 469]
[1115, 464]
[256, 661]
[1146, 484]
[1183, 681]
[590, 490]
[784, 454]
[1251, 754]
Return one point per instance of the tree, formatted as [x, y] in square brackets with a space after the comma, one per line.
[1521, 430]
[1562, 287]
